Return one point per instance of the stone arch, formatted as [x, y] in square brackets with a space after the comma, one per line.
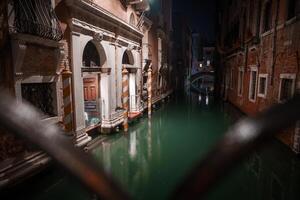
[93, 55]
[128, 58]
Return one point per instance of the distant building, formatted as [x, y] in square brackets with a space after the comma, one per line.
[182, 48]
[259, 46]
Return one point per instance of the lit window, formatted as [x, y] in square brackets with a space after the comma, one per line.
[262, 85]
[287, 87]
[200, 65]
[208, 63]
[240, 82]
[253, 83]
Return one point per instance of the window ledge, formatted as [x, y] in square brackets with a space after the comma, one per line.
[264, 96]
[252, 100]
[291, 21]
[264, 34]
[51, 120]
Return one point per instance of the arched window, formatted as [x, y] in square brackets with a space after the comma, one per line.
[267, 23]
[132, 19]
[127, 58]
[91, 56]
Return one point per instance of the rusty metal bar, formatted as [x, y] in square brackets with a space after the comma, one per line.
[24, 120]
[240, 140]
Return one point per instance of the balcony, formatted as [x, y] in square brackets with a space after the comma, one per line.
[35, 17]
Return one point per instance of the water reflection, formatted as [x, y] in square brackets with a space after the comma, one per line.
[157, 153]
[273, 174]
[132, 145]
[206, 100]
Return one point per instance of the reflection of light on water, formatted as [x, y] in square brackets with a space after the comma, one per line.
[132, 146]
[106, 147]
[207, 100]
[149, 139]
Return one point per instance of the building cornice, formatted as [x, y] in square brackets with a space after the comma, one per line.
[103, 15]
[79, 27]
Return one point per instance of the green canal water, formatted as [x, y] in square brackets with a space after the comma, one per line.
[152, 159]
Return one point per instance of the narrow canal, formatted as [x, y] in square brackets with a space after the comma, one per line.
[157, 153]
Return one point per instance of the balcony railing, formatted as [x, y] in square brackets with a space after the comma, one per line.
[36, 17]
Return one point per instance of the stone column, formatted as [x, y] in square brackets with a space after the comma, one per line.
[80, 136]
[77, 81]
[105, 99]
[149, 91]
[125, 98]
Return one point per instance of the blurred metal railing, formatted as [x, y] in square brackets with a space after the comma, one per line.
[36, 17]
[243, 138]
[24, 120]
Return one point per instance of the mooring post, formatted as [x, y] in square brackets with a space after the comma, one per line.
[149, 91]
[67, 101]
[125, 97]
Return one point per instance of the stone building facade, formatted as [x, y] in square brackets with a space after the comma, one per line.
[259, 47]
[160, 48]
[69, 62]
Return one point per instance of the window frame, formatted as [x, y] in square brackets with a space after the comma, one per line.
[263, 20]
[240, 88]
[231, 85]
[264, 94]
[57, 84]
[253, 69]
[286, 76]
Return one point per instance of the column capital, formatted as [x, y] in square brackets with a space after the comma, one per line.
[124, 70]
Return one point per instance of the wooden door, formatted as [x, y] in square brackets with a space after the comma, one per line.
[90, 94]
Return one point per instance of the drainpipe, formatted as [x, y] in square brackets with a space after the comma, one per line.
[274, 43]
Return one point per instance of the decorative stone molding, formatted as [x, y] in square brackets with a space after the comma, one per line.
[131, 68]
[130, 47]
[98, 37]
[102, 14]
[105, 70]
[79, 26]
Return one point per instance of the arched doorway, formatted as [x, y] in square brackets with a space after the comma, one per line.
[128, 63]
[91, 65]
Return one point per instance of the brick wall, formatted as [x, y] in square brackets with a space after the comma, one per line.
[283, 59]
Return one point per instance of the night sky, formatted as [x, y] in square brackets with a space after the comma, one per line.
[201, 14]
